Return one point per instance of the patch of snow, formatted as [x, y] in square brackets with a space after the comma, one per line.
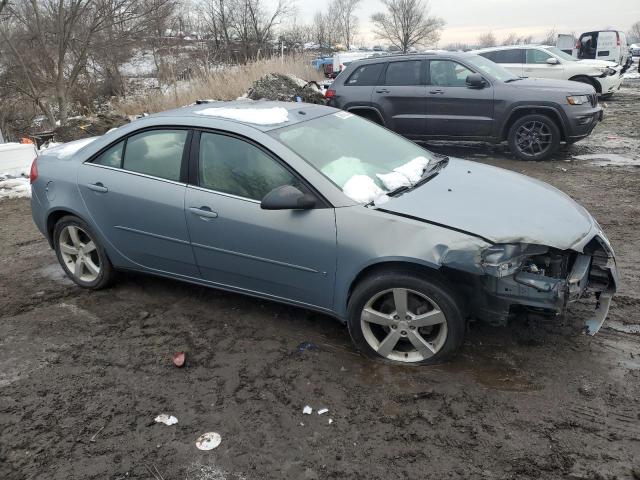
[629, 74]
[257, 116]
[362, 189]
[65, 150]
[141, 64]
[16, 158]
[166, 419]
[413, 169]
[393, 180]
[612, 159]
[15, 188]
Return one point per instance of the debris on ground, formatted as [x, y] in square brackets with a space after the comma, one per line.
[83, 127]
[208, 441]
[282, 87]
[322, 411]
[179, 358]
[330, 421]
[307, 346]
[307, 410]
[166, 419]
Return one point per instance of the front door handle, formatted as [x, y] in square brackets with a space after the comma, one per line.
[382, 90]
[98, 187]
[204, 212]
[436, 92]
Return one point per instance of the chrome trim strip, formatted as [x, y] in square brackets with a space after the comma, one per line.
[259, 259]
[155, 235]
[230, 195]
[138, 174]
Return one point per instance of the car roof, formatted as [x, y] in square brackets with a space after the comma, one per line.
[297, 112]
[511, 47]
[413, 56]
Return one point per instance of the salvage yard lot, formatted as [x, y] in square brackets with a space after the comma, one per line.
[83, 374]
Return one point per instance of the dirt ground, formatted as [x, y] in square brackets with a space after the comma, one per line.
[83, 374]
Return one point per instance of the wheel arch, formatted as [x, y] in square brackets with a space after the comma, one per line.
[522, 111]
[54, 217]
[591, 81]
[370, 113]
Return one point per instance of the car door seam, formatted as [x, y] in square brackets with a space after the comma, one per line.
[156, 235]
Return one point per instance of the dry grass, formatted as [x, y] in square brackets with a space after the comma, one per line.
[224, 84]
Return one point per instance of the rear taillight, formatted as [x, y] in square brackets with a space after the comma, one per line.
[33, 174]
[618, 38]
[330, 93]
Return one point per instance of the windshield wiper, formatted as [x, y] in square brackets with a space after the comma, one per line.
[428, 173]
[509, 80]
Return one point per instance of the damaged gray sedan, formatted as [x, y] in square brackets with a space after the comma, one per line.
[318, 208]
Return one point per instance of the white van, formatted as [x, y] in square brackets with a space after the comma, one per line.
[342, 59]
[567, 43]
[608, 45]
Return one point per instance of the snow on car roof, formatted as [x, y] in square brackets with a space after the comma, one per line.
[256, 116]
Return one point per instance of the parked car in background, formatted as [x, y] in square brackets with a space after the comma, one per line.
[610, 45]
[318, 208]
[634, 49]
[343, 59]
[463, 96]
[542, 61]
[567, 43]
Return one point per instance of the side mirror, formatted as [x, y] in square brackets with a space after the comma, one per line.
[475, 80]
[287, 197]
[552, 61]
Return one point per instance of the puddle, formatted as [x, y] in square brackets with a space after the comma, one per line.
[493, 372]
[609, 159]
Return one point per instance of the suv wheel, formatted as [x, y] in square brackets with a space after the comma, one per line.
[400, 317]
[81, 256]
[534, 137]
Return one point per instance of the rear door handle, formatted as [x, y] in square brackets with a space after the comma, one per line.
[382, 90]
[98, 187]
[436, 92]
[204, 212]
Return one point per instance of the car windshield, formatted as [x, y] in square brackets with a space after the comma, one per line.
[493, 69]
[357, 155]
[560, 54]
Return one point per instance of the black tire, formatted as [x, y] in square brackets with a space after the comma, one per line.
[98, 256]
[543, 141]
[443, 296]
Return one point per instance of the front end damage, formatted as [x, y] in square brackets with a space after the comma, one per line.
[543, 279]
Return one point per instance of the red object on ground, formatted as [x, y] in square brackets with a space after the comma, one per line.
[178, 359]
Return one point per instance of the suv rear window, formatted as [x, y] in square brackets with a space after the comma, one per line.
[403, 73]
[512, 55]
[366, 75]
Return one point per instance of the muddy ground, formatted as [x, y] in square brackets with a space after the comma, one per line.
[83, 374]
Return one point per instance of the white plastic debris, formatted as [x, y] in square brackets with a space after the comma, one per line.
[413, 169]
[307, 410]
[257, 116]
[362, 189]
[330, 421]
[166, 419]
[208, 441]
[322, 411]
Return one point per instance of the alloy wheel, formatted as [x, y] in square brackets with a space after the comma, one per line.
[403, 325]
[533, 138]
[79, 253]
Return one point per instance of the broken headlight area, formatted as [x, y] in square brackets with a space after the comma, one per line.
[546, 279]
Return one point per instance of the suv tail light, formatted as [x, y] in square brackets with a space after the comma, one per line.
[330, 93]
[618, 38]
[33, 174]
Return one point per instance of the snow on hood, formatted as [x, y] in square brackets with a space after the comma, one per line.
[404, 175]
[597, 63]
[66, 150]
[256, 116]
[362, 189]
[497, 204]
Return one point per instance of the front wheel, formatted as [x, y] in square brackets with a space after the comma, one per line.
[534, 137]
[81, 256]
[404, 318]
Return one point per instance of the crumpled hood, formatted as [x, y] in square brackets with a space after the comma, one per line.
[598, 63]
[496, 204]
[568, 86]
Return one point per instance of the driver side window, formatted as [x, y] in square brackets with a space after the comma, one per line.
[446, 73]
[231, 165]
[537, 56]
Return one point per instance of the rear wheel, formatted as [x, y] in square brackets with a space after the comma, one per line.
[401, 317]
[534, 137]
[81, 256]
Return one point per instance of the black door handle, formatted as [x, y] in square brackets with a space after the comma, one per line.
[436, 92]
[98, 187]
[382, 90]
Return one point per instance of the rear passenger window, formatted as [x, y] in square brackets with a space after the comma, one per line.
[366, 75]
[156, 152]
[513, 55]
[231, 165]
[403, 73]
[111, 157]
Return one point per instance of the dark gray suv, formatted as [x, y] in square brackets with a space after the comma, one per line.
[463, 96]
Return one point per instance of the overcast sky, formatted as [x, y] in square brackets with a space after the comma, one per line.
[466, 19]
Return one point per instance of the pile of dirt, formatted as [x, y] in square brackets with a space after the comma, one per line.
[278, 86]
[84, 127]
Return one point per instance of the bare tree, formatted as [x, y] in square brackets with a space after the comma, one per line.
[407, 23]
[634, 32]
[510, 39]
[550, 37]
[343, 13]
[487, 40]
[322, 29]
[3, 3]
